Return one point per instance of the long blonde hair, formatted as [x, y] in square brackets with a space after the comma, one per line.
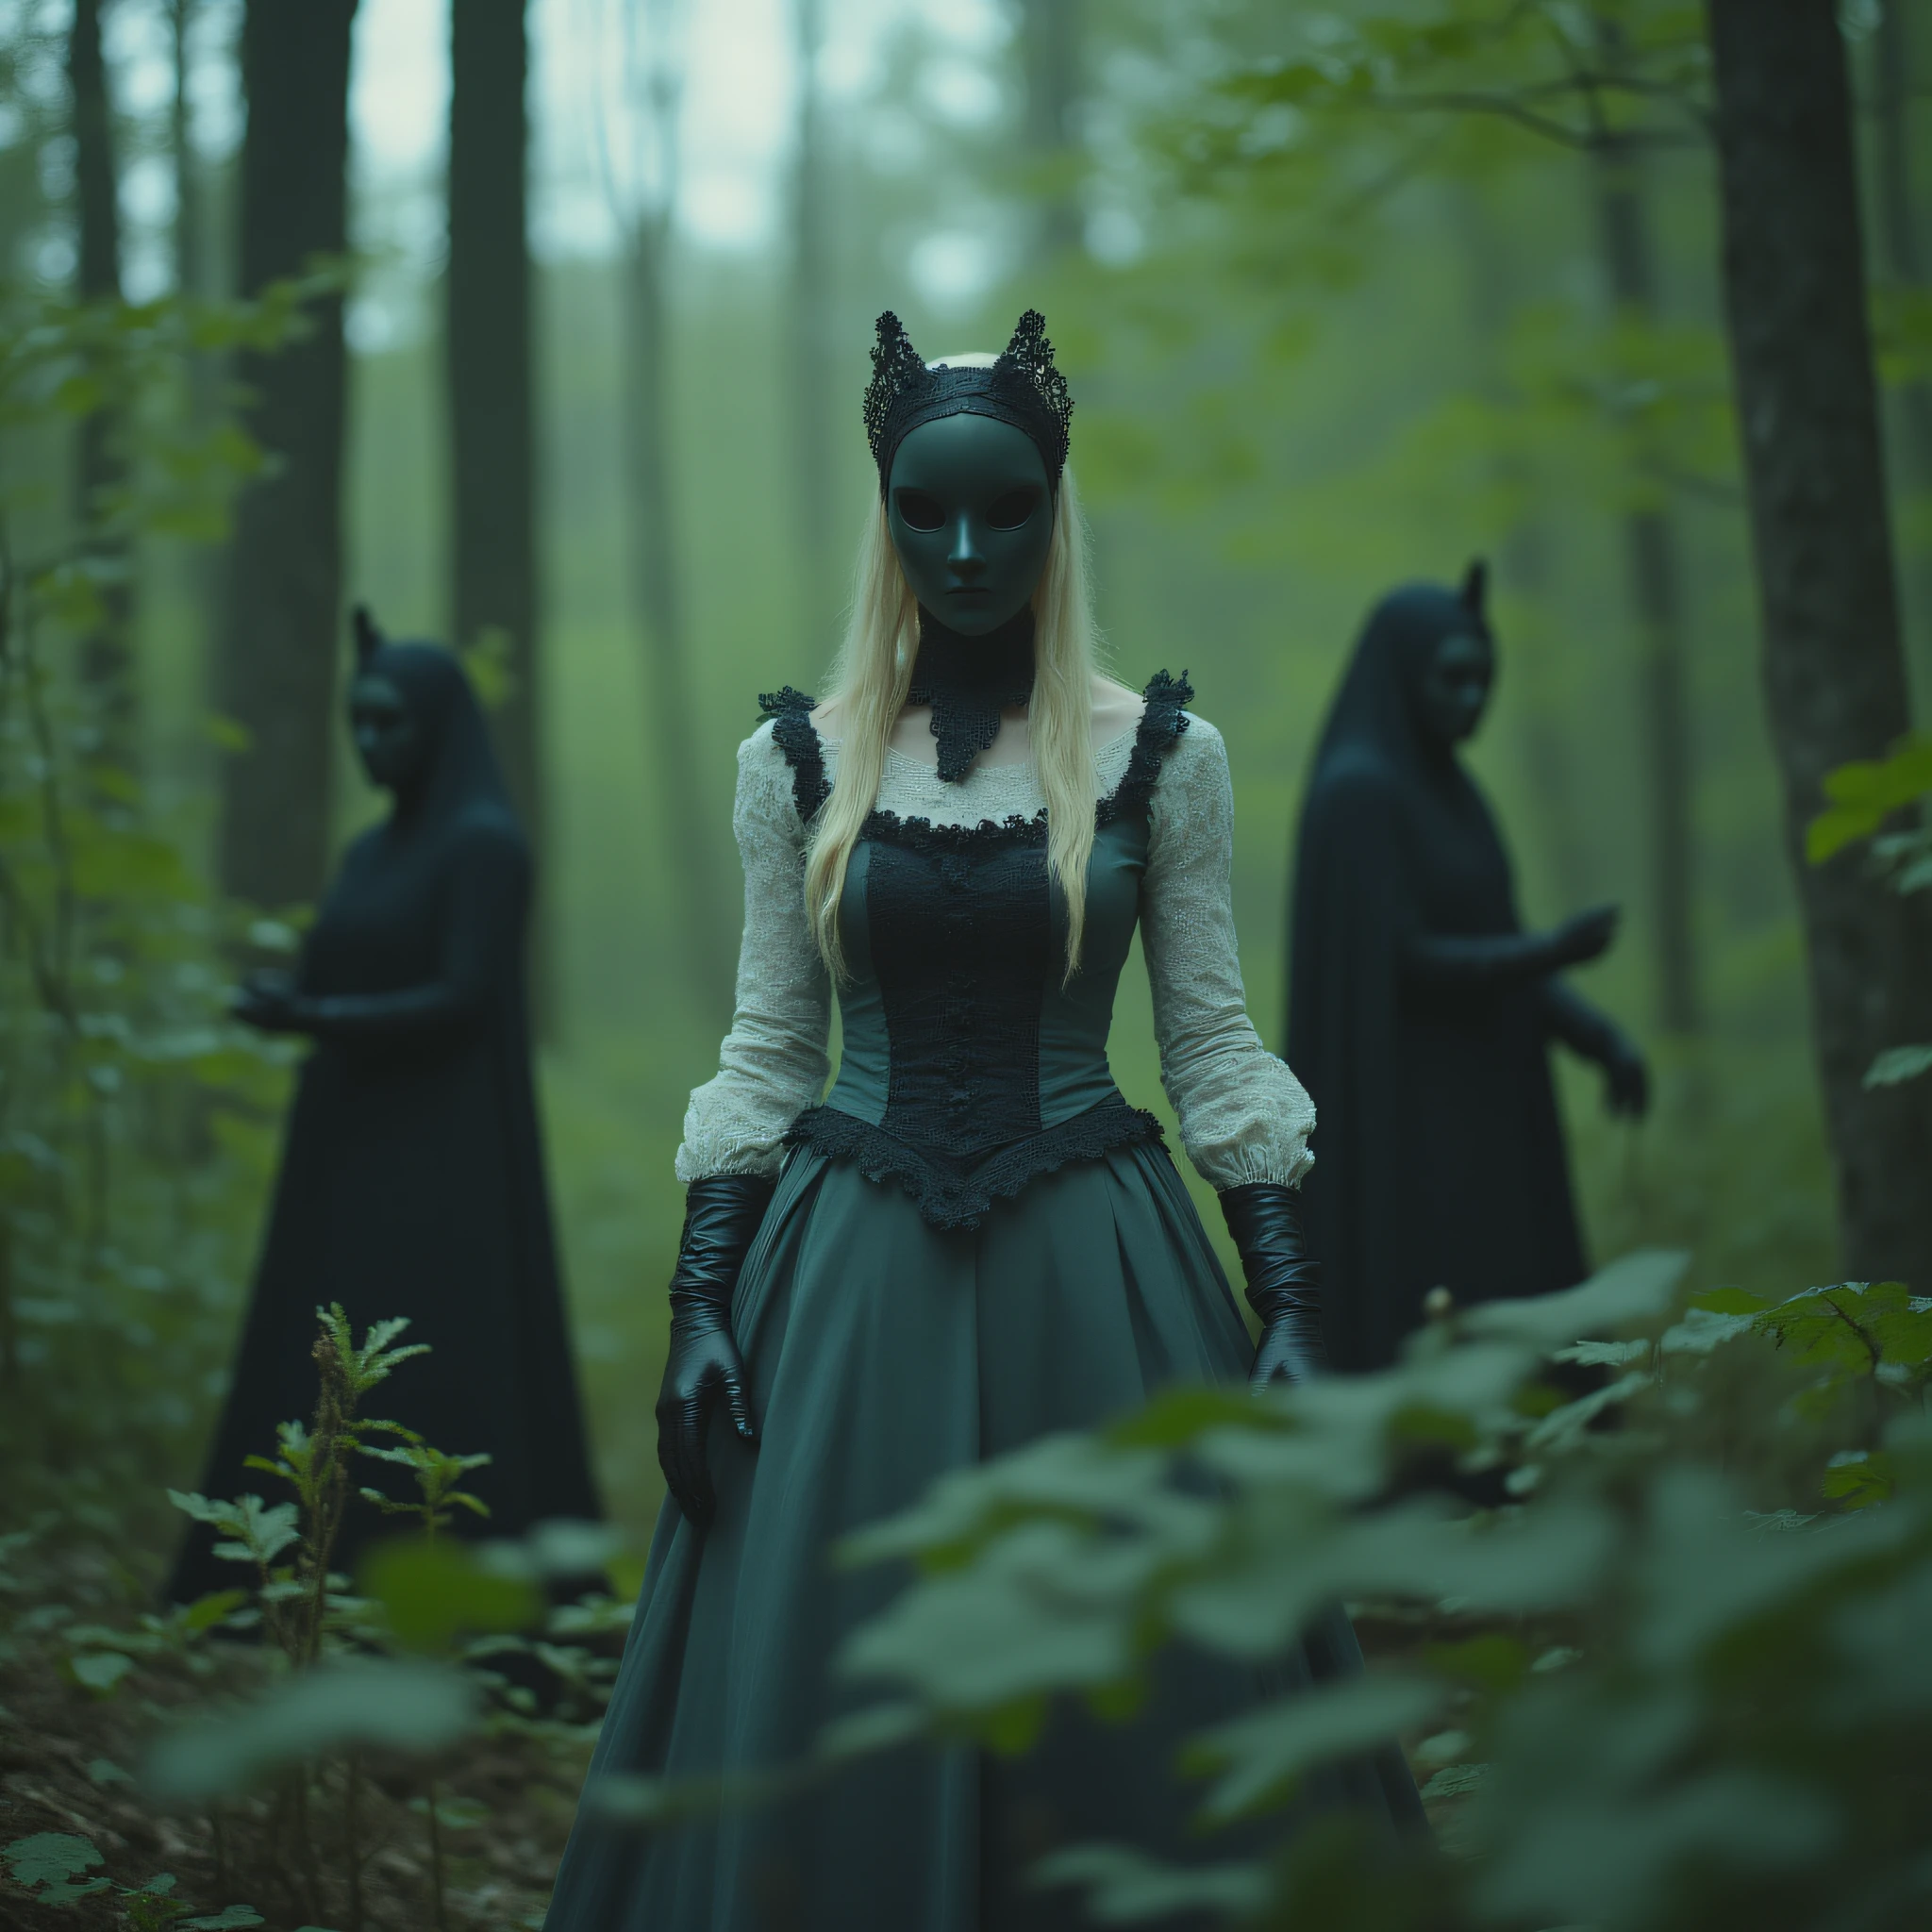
[868, 687]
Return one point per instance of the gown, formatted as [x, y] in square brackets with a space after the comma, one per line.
[975, 1240]
[1442, 1151]
[413, 1180]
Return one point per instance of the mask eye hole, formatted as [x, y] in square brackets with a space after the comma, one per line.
[918, 509]
[1012, 511]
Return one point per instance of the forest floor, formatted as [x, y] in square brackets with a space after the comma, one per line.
[68, 1755]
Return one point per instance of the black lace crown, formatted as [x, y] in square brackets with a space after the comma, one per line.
[1021, 388]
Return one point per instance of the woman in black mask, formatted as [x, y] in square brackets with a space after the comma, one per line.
[973, 1240]
[1420, 1011]
[412, 1179]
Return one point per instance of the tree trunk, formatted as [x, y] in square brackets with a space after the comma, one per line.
[1654, 565]
[489, 350]
[280, 641]
[1834, 668]
[491, 407]
[698, 880]
[814, 363]
[107, 664]
[1051, 45]
[1898, 223]
[194, 277]
[1901, 258]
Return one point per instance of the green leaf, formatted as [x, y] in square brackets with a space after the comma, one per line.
[1125, 1887]
[99, 1671]
[400, 1706]
[1859, 1477]
[1261, 1756]
[48, 1862]
[431, 1593]
[1898, 1064]
[232, 1916]
[1865, 793]
[1636, 1290]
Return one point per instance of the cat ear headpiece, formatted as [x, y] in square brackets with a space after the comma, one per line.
[1021, 388]
[369, 640]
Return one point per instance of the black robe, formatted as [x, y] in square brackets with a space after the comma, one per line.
[412, 1177]
[1439, 1153]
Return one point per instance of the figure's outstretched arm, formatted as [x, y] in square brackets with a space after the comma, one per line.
[488, 891]
[1475, 961]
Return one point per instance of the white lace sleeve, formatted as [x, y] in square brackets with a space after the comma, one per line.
[774, 1062]
[1243, 1116]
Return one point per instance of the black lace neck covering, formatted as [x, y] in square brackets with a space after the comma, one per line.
[968, 682]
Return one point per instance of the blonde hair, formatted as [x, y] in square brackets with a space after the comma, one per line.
[868, 687]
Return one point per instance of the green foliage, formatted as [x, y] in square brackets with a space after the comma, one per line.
[135, 1119]
[432, 1593]
[49, 1866]
[1864, 795]
[398, 1705]
[1679, 1677]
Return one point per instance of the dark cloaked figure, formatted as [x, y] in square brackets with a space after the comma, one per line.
[1420, 1011]
[412, 1177]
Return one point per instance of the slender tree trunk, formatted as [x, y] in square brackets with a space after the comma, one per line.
[1834, 667]
[202, 568]
[107, 664]
[490, 368]
[280, 641]
[814, 363]
[1653, 562]
[1901, 255]
[699, 881]
[1051, 37]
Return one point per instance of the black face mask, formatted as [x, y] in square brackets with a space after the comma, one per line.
[1448, 696]
[971, 513]
[388, 738]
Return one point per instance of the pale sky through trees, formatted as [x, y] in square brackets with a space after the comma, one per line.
[737, 125]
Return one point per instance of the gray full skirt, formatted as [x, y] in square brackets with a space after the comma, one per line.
[882, 1352]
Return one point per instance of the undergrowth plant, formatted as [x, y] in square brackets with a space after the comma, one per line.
[1678, 1680]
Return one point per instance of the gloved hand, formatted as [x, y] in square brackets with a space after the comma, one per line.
[1284, 1286]
[721, 1215]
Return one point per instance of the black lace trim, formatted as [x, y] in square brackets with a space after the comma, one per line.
[968, 682]
[1161, 724]
[959, 1193]
[796, 736]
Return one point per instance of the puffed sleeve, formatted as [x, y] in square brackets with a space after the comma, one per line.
[774, 1062]
[1243, 1115]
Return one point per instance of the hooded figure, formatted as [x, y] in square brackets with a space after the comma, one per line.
[412, 1177]
[1419, 1010]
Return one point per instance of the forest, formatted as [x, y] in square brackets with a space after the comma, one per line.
[539, 328]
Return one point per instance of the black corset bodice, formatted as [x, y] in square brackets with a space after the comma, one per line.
[968, 1067]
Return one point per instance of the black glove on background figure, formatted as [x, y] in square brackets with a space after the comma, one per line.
[721, 1216]
[1284, 1286]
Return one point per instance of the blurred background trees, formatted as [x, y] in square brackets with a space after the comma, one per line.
[1347, 296]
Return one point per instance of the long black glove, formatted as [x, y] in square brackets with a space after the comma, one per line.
[1472, 961]
[721, 1215]
[1284, 1286]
